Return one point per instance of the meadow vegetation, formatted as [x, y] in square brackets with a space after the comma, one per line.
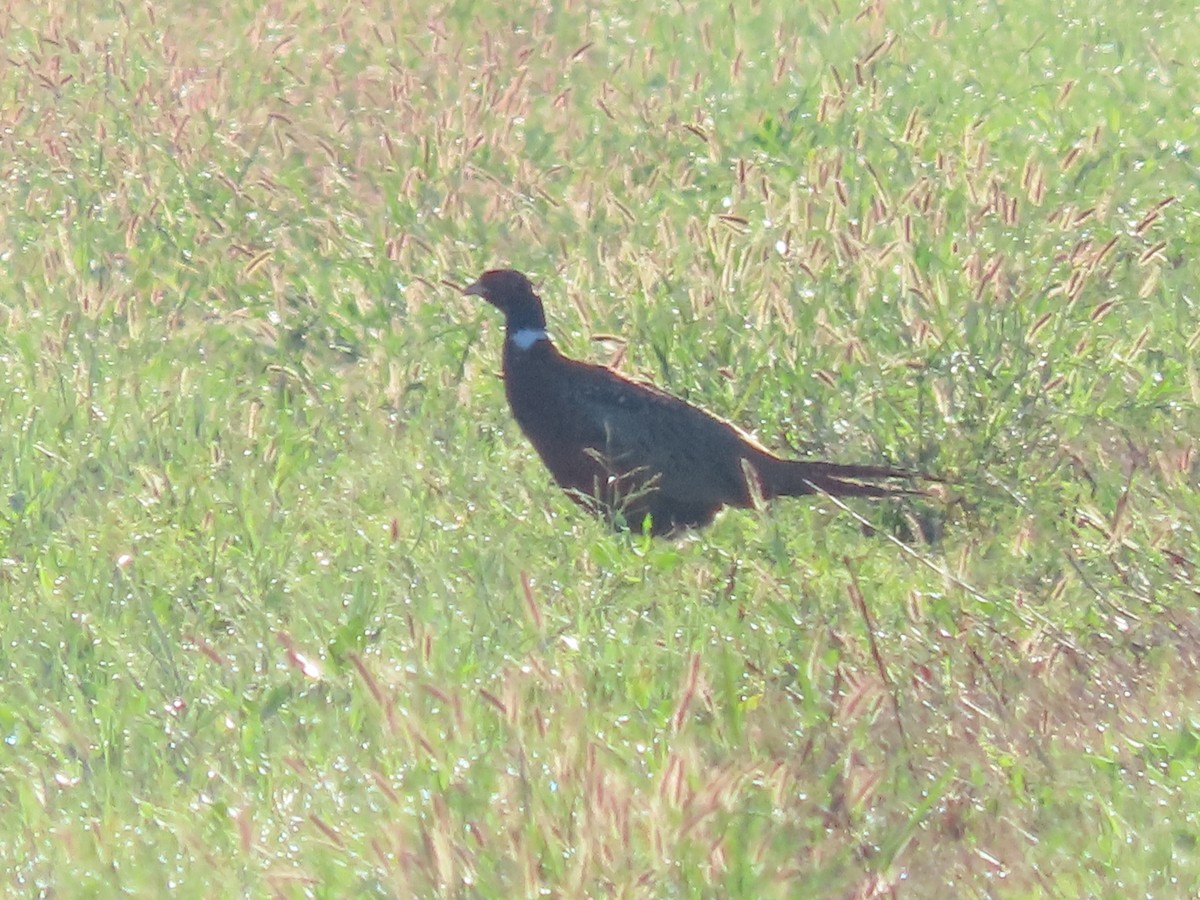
[289, 605]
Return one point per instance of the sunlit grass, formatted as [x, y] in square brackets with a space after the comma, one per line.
[291, 605]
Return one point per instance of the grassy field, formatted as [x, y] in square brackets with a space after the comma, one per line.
[290, 606]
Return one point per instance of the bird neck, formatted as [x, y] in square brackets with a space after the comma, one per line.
[526, 353]
[526, 323]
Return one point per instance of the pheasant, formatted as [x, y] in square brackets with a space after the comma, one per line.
[635, 454]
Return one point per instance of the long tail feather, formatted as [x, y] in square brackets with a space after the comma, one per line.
[794, 478]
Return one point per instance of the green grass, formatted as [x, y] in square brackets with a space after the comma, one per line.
[292, 608]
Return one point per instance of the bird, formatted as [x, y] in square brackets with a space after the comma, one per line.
[636, 455]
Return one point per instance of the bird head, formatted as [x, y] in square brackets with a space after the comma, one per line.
[511, 293]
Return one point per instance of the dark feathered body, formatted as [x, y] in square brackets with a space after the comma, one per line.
[623, 446]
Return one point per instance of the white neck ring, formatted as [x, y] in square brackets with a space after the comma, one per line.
[527, 337]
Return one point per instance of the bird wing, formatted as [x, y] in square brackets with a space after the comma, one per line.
[694, 457]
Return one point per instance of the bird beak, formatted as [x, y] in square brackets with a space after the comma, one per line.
[476, 289]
